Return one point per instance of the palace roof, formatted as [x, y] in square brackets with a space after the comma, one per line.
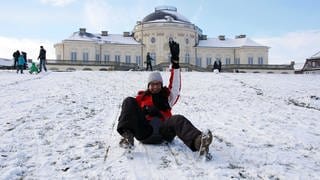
[228, 42]
[110, 38]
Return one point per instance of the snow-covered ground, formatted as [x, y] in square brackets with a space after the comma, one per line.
[58, 125]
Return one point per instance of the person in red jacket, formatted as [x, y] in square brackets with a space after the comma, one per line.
[148, 118]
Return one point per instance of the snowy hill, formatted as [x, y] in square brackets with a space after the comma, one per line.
[59, 125]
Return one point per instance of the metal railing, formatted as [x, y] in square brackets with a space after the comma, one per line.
[162, 66]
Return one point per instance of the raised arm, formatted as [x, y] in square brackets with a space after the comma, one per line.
[175, 75]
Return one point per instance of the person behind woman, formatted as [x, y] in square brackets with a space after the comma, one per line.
[148, 118]
[149, 63]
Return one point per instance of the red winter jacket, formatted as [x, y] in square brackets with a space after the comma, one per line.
[173, 92]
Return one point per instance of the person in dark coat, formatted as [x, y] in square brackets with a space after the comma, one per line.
[148, 118]
[24, 54]
[149, 59]
[42, 57]
[15, 55]
[219, 65]
[215, 66]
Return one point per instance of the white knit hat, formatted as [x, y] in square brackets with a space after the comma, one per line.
[154, 76]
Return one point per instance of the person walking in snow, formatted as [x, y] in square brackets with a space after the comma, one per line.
[148, 118]
[24, 54]
[42, 57]
[21, 62]
[149, 59]
[15, 55]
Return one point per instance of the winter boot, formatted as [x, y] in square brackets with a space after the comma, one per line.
[127, 140]
[202, 143]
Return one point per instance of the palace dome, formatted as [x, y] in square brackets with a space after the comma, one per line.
[165, 13]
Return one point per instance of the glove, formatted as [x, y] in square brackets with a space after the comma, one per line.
[152, 111]
[174, 50]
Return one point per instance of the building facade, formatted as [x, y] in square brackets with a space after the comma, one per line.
[152, 35]
[312, 65]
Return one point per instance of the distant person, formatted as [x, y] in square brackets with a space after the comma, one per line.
[219, 65]
[215, 67]
[21, 62]
[149, 59]
[24, 54]
[33, 69]
[42, 57]
[15, 55]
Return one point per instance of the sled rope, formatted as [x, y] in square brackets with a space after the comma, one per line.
[111, 134]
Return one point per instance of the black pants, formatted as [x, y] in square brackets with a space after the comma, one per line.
[149, 65]
[20, 68]
[133, 119]
[43, 63]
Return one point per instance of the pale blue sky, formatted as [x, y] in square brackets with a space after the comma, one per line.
[290, 27]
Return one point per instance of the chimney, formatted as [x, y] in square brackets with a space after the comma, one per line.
[82, 30]
[104, 33]
[240, 36]
[202, 37]
[222, 37]
[126, 34]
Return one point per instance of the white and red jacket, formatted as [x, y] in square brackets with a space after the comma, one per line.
[173, 93]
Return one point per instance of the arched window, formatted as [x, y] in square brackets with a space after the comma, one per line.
[187, 58]
[154, 57]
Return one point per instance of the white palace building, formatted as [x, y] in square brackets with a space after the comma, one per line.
[88, 51]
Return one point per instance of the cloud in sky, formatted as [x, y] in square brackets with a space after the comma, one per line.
[101, 15]
[57, 2]
[197, 12]
[293, 46]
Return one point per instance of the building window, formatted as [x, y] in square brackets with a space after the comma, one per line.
[128, 59]
[187, 41]
[228, 61]
[169, 57]
[198, 61]
[98, 57]
[187, 58]
[237, 61]
[106, 58]
[73, 56]
[260, 60]
[138, 60]
[209, 61]
[250, 60]
[85, 57]
[117, 58]
[154, 57]
[153, 40]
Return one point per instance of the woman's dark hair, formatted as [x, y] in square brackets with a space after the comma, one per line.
[160, 99]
